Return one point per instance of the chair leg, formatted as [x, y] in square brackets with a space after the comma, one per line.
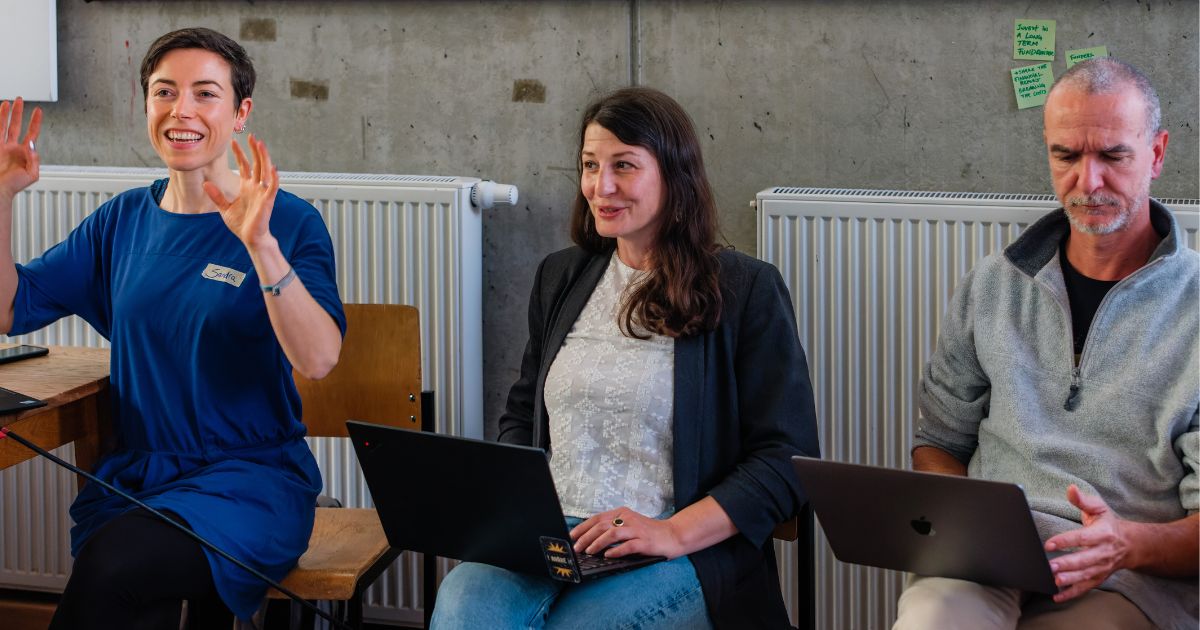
[429, 576]
[299, 616]
[806, 600]
[429, 561]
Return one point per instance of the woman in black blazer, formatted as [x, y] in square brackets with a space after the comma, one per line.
[668, 370]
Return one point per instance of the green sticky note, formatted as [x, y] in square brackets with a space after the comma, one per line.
[1075, 56]
[1031, 84]
[1033, 39]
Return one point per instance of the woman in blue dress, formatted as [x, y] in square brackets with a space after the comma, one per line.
[211, 286]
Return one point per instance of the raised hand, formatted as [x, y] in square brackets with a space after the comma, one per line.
[248, 215]
[19, 162]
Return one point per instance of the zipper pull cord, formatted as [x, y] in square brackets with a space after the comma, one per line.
[1073, 397]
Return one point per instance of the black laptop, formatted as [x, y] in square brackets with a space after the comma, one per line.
[928, 524]
[11, 401]
[473, 500]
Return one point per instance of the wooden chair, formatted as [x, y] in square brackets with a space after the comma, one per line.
[377, 379]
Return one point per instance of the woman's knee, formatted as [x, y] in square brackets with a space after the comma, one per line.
[662, 595]
[134, 553]
[109, 568]
[473, 594]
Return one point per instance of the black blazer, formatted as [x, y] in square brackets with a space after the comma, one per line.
[743, 406]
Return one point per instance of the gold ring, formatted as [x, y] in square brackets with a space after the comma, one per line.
[618, 522]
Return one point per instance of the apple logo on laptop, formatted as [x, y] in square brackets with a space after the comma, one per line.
[923, 527]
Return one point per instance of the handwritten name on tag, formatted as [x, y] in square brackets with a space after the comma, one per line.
[223, 274]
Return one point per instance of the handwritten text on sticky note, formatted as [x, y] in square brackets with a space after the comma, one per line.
[1032, 84]
[1033, 39]
[1075, 56]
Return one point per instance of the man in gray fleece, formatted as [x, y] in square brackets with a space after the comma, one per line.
[1068, 363]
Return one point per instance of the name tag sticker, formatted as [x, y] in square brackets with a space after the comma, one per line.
[223, 274]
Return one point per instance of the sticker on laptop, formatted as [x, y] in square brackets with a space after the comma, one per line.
[559, 559]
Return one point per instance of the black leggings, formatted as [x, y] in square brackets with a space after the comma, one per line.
[134, 573]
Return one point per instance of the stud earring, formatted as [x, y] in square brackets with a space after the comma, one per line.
[240, 129]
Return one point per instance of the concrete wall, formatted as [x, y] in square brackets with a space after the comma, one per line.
[870, 94]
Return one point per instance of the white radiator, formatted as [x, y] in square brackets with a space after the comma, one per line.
[398, 239]
[870, 273]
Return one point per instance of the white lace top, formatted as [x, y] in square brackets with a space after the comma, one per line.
[610, 399]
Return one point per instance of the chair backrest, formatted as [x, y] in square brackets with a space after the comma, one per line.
[378, 377]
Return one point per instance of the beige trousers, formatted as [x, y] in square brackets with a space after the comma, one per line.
[944, 603]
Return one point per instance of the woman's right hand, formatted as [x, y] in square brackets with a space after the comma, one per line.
[623, 531]
[19, 162]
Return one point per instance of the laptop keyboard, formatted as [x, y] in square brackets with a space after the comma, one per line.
[588, 562]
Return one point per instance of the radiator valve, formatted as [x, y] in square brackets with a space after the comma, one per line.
[487, 194]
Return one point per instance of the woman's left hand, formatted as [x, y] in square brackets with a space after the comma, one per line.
[248, 215]
[632, 533]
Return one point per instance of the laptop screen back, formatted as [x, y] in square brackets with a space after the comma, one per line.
[460, 498]
[928, 524]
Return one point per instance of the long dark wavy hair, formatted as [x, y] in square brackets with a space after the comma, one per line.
[680, 294]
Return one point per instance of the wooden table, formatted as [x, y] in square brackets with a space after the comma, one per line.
[74, 384]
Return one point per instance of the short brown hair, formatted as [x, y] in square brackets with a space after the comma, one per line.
[241, 69]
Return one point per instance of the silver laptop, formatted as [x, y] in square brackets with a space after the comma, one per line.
[928, 524]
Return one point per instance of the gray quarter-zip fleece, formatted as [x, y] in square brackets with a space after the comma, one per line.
[1003, 395]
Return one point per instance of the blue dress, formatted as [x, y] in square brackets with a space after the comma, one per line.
[206, 412]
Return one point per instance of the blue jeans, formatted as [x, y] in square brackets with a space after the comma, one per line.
[661, 595]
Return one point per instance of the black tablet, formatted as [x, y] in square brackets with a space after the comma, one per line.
[16, 353]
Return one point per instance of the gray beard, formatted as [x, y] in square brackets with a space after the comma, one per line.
[1120, 221]
[1079, 224]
